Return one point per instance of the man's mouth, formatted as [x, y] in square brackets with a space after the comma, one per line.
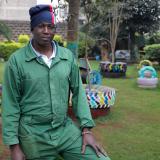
[47, 39]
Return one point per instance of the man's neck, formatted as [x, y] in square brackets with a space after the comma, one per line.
[46, 50]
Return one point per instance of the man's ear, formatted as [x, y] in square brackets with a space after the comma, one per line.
[32, 29]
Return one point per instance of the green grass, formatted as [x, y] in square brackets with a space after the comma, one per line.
[131, 131]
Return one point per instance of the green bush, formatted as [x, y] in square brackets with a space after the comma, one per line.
[7, 48]
[81, 48]
[59, 39]
[81, 44]
[23, 38]
[152, 52]
[153, 38]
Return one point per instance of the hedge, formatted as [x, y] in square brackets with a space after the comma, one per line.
[7, 48]
[23, 38]
[152, 52]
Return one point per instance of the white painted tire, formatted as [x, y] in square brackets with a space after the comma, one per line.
[147, 82]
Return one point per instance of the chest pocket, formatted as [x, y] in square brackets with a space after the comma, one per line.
[33, 90]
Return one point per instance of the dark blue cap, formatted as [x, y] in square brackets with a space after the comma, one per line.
[41, 13]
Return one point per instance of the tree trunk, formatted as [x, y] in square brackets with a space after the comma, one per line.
[72, 34]
[132, 46]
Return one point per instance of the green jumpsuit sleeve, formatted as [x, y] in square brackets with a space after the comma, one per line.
[79, 100]
[10, 104]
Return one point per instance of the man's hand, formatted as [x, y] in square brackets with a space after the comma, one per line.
[89, 140]
[16, 152]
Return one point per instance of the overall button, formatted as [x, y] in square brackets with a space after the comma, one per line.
[55, 124]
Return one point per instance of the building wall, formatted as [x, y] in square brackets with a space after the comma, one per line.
[15, 9]
[17, 28]
[23, 27]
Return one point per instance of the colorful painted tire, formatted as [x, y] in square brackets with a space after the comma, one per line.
[147, 82]
[100, 96]
[113, 70]
[142, 71]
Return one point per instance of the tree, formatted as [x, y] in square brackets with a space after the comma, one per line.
[5, 30]
[73, 19]
[140, 16]
[88, 6]
[107, 18]
[114, 19]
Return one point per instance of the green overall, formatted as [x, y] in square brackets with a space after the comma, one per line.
[35, 104]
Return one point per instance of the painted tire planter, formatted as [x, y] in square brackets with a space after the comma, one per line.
[113, 70]
[100, 99]
[147, 82]
[147, 77]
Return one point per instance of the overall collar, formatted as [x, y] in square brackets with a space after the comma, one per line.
[60, 53]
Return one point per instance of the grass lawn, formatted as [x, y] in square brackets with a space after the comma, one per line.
[131, 131]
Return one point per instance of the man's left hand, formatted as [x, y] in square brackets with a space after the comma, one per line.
[89, 140]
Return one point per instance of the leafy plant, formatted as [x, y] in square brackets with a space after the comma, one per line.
[6, 49]
[59, 39]
[23, 38]
[153, 52]
[5, 31]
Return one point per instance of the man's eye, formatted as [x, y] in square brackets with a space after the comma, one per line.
[40, 26]
[50, 27]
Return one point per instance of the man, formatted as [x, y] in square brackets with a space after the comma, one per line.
[37, 81]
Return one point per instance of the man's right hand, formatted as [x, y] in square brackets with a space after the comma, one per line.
[16, 152]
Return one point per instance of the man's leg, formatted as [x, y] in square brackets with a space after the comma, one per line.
[71, 144]
[73, 152]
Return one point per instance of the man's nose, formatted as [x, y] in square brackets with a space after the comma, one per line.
[46, 29]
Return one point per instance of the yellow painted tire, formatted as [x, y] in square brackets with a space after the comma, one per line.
[144, 62]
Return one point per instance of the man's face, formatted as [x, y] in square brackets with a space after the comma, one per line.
[43, 33]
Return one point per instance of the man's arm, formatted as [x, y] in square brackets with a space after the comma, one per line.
[79, 100]
[10, 104]
[82, 111]
[11, 110]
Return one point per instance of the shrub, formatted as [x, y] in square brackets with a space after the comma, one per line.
[59, 39]
[152, 52]
[153, 38]
[81, 44]
[81, 48]
[23, 38]
[65, 44]
[6, 49]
